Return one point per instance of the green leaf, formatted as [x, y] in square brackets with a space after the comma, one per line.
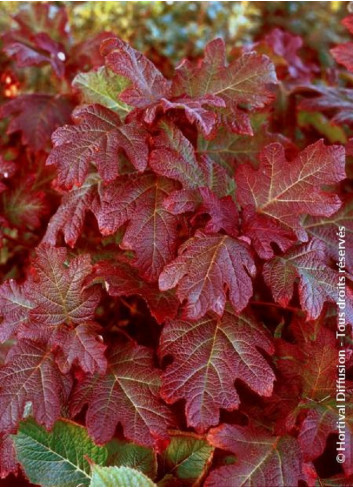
[102, 87]
[143, 459]
[119, 477]
[57, 458]
[187, 458]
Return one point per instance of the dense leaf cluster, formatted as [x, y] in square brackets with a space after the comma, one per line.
[169, 261]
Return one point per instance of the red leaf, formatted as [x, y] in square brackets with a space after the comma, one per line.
[152, 230]
[205, 265]
[286, 45]
[36, 116]
[128, 394]
[209, 355]
[264, 231]
[97, 137]
[317, 282]
[83, 346]
[38, 49]
[332, 100]
[69, 217]
[173, 156]
[262, 460]
[283, 191]
[148, 85]
[30, 375]
[244, 81]
[59, 293]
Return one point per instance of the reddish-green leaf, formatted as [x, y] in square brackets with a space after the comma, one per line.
[96, 138]
[262, 460]
[36, 116]
[70, 216]
[209, 355]
[203, 269]
[128, 394]
[148, 84]
[30, 376]
[317, 282]
[152, 231]
[283, 191]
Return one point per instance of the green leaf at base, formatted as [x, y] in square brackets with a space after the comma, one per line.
[119, 477]
[58, 458]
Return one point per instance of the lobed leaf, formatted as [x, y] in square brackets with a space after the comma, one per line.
[208, 356]
[29, 376]
[152, 231]
[36, 116]
[205, 265]
[128, 394]
[96, 138]
[283, 195]
[262, 459]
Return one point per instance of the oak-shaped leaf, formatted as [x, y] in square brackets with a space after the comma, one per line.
[152, 231]
[121, 279]
[317, 282]
[81, 345]
[70, 215]
[58, 289]
[147, 84]
[128, 393]
[96, 138]
[208, 356]
[284, 191]
[30, 376]
[311, 365]
[36, 116]
[261, 458]
[229, 149]
[246, 81]
[62, 309]
[205, 265]
[223, 213]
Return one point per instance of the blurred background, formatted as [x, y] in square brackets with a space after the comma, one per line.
[169, 31]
